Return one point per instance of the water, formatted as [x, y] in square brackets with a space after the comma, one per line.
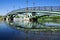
[9, 31]
[35, 25]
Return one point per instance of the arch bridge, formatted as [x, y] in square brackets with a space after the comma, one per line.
[32, 13]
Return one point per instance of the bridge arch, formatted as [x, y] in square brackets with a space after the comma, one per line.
[33, 11]
[36, 18]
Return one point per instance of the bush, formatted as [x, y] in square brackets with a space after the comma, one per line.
[17, 17]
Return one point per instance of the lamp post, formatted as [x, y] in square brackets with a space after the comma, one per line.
[27, 8]
[34, 5]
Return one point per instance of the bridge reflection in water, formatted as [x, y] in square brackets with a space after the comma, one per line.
[36, 35]
[27, 24]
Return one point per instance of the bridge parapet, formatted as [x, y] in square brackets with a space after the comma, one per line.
[44, 8]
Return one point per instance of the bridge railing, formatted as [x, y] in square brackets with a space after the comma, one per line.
[44, 8]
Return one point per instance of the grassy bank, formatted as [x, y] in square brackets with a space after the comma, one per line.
[50, 18]
[1, 18]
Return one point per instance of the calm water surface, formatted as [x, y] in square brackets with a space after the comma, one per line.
[8, 32]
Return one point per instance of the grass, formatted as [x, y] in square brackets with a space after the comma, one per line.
[47, 19]
[1, 18]
[17, 17]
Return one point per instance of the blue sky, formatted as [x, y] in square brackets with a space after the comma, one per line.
[9, 5]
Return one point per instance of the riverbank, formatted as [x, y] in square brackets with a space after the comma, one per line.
[1, 18]
[49, 19]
